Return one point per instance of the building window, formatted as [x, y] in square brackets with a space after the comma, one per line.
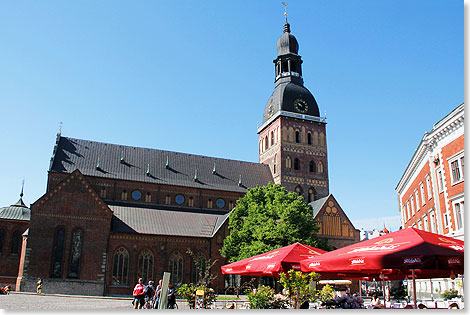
[309, 138]
[146, 265]
[209, 203]
[15, 242]
[420, 224]
[417, 200]
[76, 254]
[58, 254]
[458, 214]
[124, 195]
[315, 138]
[120, 266]
[288, 162]
[320, 167]
[230, 205]
[272, 137]
[199, 268]
[403, 213]
[2, 237]
[408, 209]
[148, 197]
[312, 167]
[421, 190]
[191, 202]
[176, 269]
[266, 143]
[440, 181]
[322, 139]
[103, 193]
[426, 223]
[298, 190]
[456, 167]
[296, 164]
[312, 194]
[433, 221]
[274, 164]
[428, 186]
[297, 136]
[412, 202]
[168, 199]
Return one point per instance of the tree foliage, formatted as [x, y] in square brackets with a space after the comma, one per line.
[267, 218]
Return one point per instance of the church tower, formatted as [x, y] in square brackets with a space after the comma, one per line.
[292, 138]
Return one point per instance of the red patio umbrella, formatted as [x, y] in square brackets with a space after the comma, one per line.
[273, 262]
[393, 256]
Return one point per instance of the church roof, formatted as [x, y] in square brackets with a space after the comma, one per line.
[17, 211]
[318, 204]
[156, 166]
[128, 219]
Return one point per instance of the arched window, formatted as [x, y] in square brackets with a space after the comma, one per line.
[297, 136]
[167, 199]
[124, 195]
[296, 164]
[288, 162]
[15, 242]
[58, 254]
[266, 144]
[230, 205]
[176, 269]
[315, 138]
[260, 146]
[2, 237]
[272, 137]
[148, 197]
[199, 268]
[120, 266]
[146, 265]
[322, 138]
[209, 203]
[103, 192]
[275, 164]
[191, 202]
[312, 194]
[298, 190]
[320, 167]
[309, 138]
[312, 167]
[76, 254]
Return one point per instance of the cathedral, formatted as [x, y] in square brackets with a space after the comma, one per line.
[112, 213]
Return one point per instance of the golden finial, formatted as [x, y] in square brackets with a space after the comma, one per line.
[285, 9]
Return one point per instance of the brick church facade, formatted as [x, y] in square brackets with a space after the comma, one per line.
[114, 213]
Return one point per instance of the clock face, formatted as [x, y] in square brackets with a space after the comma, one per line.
[270, 110]
[136, 195]
[301, 105]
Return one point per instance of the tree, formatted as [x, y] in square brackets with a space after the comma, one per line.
[267, 218]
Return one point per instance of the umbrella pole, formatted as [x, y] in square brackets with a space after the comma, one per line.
[414, 287]
[383, 291]
[360, 288]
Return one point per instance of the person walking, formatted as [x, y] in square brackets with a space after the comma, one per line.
[158, 291]
[171, 296]
[139, 294]
[149, 293]
[39, 286]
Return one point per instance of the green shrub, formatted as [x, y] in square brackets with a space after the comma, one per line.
[264, 298]
[450, 294]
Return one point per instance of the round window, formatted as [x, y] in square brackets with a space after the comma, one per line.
[179, 199]
[136, 195]
[220, 203]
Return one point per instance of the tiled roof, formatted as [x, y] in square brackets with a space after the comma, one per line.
[18, 211]
[165, 222]
[71, 154]
[318, 204]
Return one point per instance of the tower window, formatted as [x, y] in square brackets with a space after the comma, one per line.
[285, 67]
[312, 167]
[103, 193]
[320, 167]
[266, 144]
[312, 194]
[272, 137]
[148, 197]
[322, 139]
[298, 190]
[296, 164]
[124, 195]
[297, 136]
[288, 162]
[191, 202]
[274, 164]
[293, 66]
[209, 203]
[167, 199]
[309, 138]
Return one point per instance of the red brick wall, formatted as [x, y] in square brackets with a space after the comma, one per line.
[9, 262]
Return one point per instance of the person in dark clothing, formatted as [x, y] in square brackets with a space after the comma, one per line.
[149, 294]
[171, 297]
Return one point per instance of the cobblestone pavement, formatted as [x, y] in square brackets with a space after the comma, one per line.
[32, 302]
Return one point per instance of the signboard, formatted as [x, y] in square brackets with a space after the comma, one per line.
[199, 303]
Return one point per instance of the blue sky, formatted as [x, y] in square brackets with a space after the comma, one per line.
[194, 76]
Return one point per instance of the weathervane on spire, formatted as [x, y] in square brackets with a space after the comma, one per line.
[285, 9]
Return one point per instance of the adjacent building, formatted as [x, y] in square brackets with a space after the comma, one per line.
[431, 190]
